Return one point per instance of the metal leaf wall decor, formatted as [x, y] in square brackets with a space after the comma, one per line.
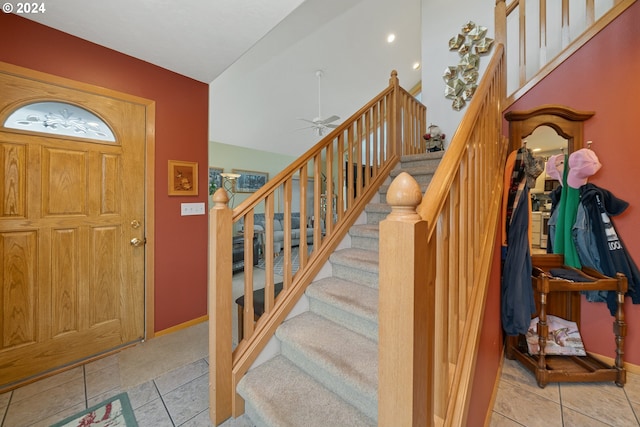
[461, 80]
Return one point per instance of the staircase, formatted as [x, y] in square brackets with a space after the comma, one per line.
[327, 372]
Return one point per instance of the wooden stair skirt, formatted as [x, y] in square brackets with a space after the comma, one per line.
[561, 298]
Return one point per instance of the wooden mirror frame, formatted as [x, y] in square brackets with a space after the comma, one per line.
[567, 122]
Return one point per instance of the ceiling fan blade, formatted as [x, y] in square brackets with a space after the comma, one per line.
[330, 119]
[306, 120]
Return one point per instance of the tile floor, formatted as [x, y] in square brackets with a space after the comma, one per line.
[520, 402]
[177, 394]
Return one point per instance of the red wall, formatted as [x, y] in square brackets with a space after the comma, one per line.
[491, 344]
[603, 77]
[181, 134]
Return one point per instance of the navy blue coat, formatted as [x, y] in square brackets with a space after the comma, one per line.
[601, 205]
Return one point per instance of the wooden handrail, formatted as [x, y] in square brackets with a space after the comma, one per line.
[344, 170]
[447, 242]
[532, 61]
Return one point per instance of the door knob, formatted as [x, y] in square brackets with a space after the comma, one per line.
[137, 242]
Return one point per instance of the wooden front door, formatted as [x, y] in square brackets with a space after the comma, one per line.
[71, 280]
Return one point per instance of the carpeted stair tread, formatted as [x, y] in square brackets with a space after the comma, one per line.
[343, 361]
[365, 230]
[356, 265]
[365, 236]
[277, 393]
[356, 258]
[422, 175]
[378, 208]
[426, 160]
[437, 155]
[349, 304]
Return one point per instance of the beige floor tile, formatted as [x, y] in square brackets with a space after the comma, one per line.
[45, 404]
[573, 418]
[632, 387]
[153, 358]
[103, 381]
[72, 410]
[604, 402]
[4, 403]
[142, 394]
[100, 364]
[201, 420]
[499, 420]
[515, 373]
[188, 400]
[48, 384]
[180, 376]
[526, 408]
[153, 414]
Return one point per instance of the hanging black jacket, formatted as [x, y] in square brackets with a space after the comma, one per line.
[601, 205]
[517, 302]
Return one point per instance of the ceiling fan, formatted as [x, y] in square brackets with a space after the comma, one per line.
[318, 124]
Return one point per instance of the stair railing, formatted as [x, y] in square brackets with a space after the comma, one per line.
[435, 260]
[540, 35]
[328, 187]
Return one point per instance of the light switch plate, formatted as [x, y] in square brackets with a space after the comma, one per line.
[191, 209]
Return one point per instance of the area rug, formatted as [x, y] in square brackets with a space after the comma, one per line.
[114, 412]
[278, 262]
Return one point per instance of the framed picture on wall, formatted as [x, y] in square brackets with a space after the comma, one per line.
[249, 181]
[215, 179]
[183, 178]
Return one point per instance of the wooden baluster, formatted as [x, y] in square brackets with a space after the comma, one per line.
[248, 313]
[329, 190]
[303, 252]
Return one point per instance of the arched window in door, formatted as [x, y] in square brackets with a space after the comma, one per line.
[59, 118]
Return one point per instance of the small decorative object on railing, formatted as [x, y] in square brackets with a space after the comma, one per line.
[461, 80]
[228, 184]
[435, 138]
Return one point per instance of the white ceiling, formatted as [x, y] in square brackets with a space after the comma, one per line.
[260, 57]
[198, 38]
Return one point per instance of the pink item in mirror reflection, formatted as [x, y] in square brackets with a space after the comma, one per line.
[555, 167]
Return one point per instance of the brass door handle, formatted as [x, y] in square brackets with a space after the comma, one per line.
[137, 242]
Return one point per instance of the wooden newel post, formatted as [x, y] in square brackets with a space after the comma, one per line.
[220, 297]
[406, 312]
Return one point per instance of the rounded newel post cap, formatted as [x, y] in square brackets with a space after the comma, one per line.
[404, 194]
[220, 198]
[394, 76]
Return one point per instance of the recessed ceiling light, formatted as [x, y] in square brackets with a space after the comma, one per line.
[390, 38]
[416, 65]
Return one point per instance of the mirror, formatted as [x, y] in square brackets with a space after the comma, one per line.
[550, 128]
[544, 142]
[567, 123]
